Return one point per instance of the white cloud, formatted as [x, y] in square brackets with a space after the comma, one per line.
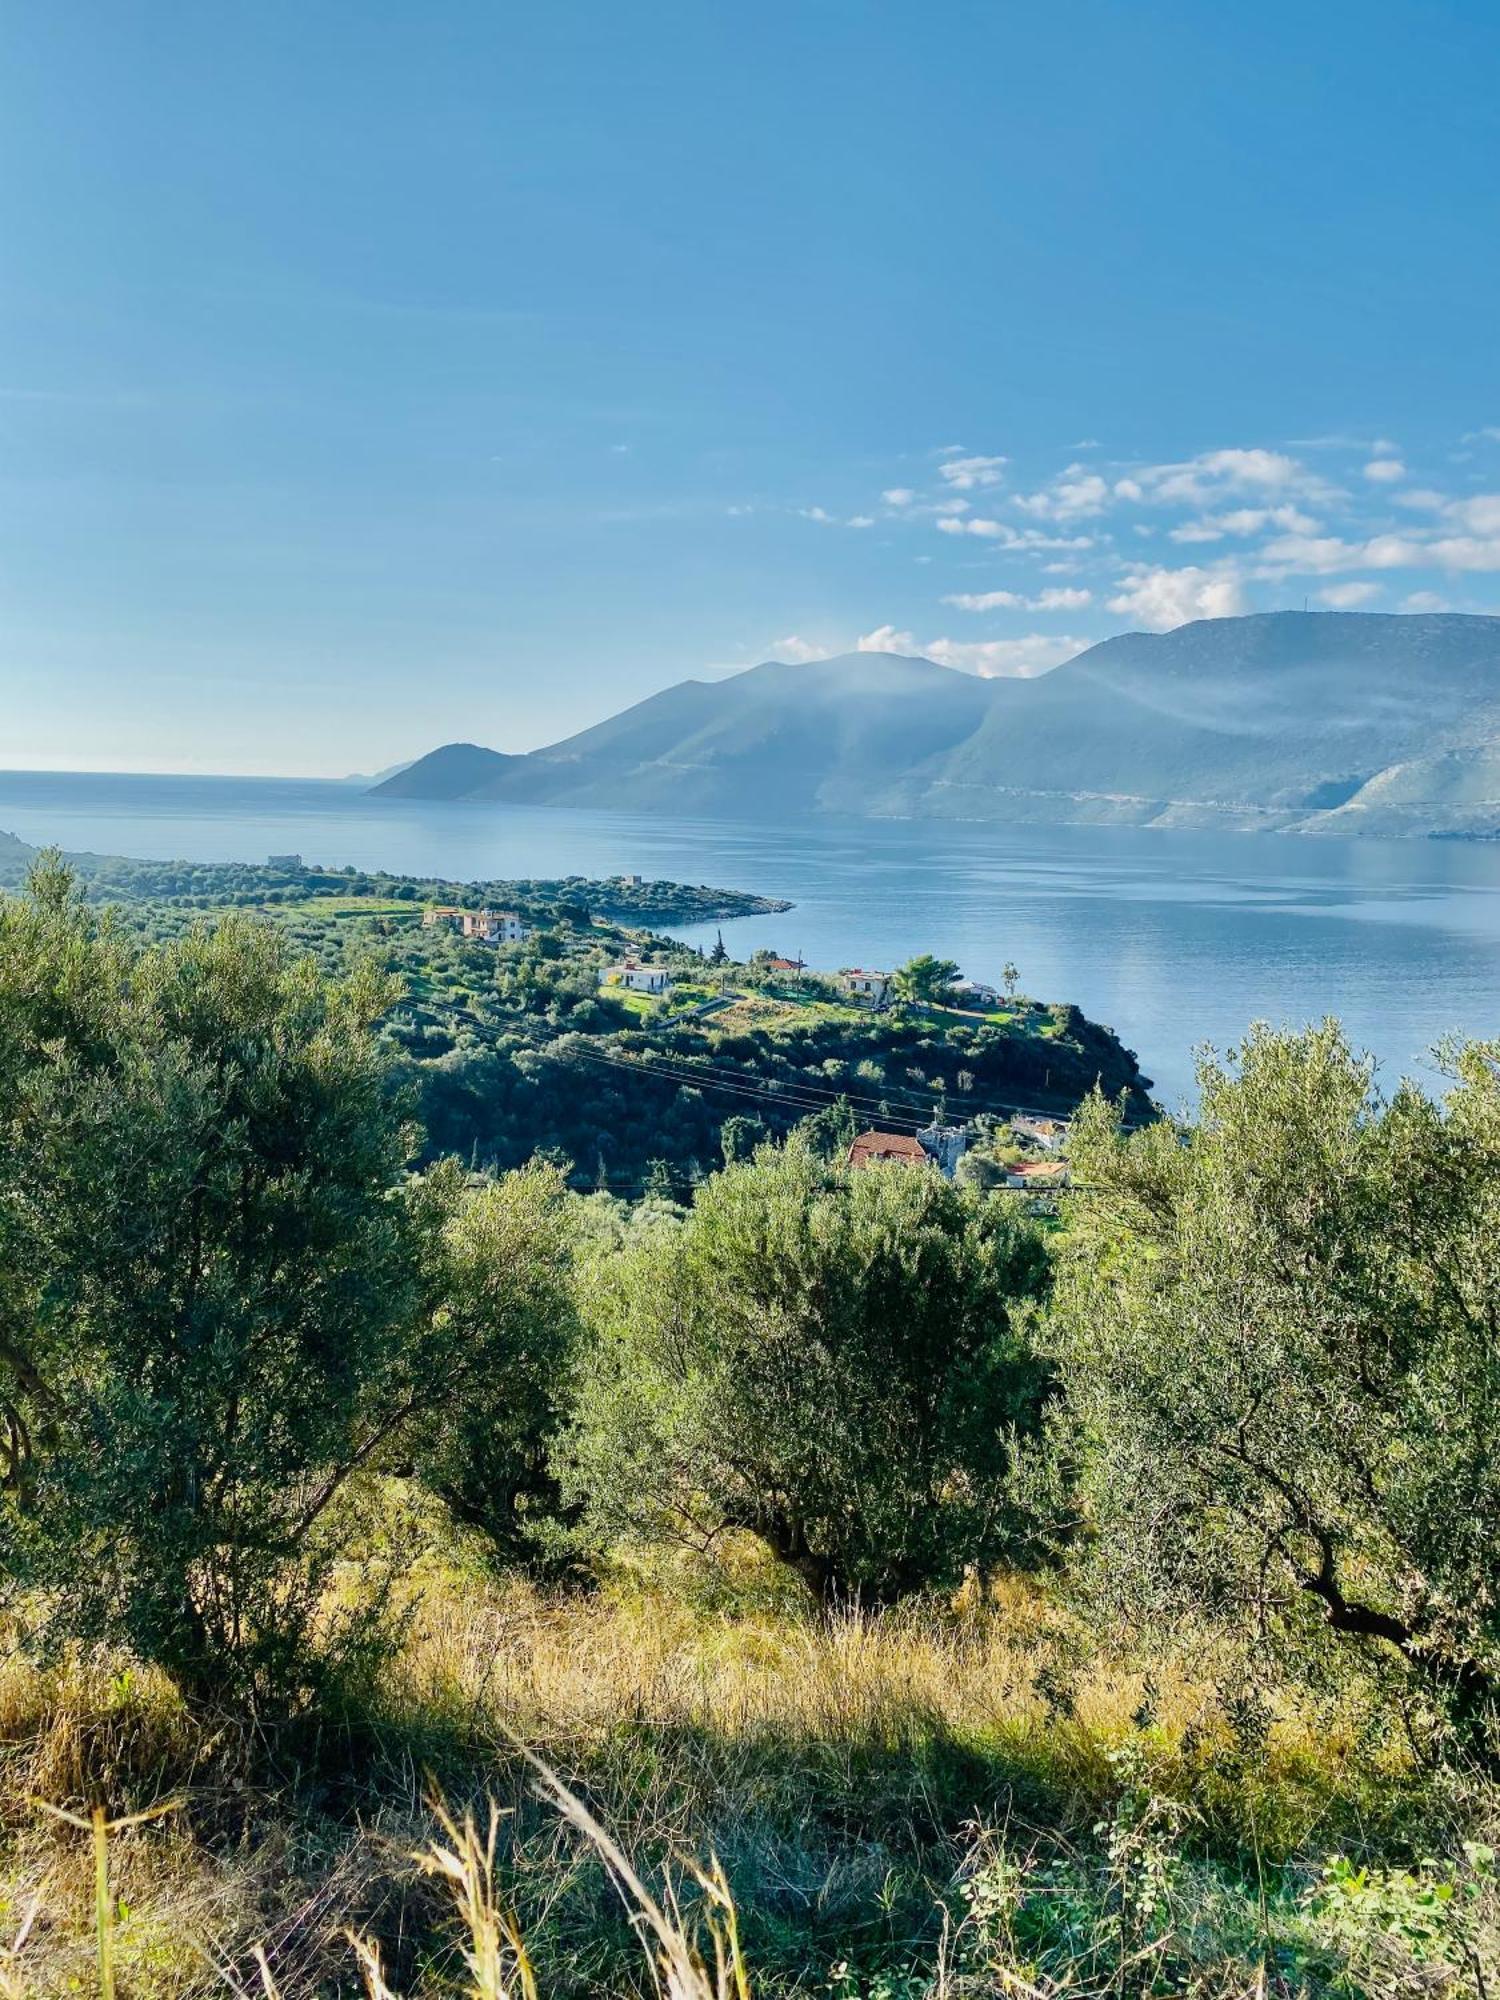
[1214, 475]
[1348, 596]
[826, 520]
[797, 651]
[885, 639]
[1244, 521]
[1005, 659]
[1162, 598]
[1051, 599]
[1421, 499]
[990, 659]
[986, 600]
[1073, 496]
[1481, 514]
[1330, 555]
[1468, 552]
[898, 496]
[1385, 471]
[1326, 555]
[967, 473]
[1012, 538]
[1424, 600]
[1486, 434]
[1336, 441]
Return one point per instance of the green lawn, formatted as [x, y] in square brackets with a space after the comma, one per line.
[642, 1005]
[999, 1017]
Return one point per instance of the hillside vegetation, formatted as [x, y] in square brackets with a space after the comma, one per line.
[427, 1581]
[518, 1050]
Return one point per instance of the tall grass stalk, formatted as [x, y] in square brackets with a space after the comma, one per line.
[494, 1951]
[99, 1826]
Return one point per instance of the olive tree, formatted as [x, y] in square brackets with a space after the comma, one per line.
[1279, 1333]
[217, 1305]
[835, 1360]
[496, 1345]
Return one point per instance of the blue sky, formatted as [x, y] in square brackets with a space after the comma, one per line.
[377, 374]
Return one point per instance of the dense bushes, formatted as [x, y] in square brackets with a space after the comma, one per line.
[1251, 1377]
[1279, 1340]
[500, 1337]
[836, 1361]
[216, 1306]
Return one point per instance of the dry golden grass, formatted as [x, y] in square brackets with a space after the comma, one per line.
[845, 1772]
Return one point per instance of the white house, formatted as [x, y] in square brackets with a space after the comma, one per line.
[500, 927]
[862, 985]
[974, 993]
[489, 926]
[656, 979]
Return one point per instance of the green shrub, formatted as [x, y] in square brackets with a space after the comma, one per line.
[833, 1360]
[1278, 1336]
[501, 1326]
[206, 1285]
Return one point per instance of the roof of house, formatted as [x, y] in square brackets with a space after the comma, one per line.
[860, 972]
[872, 1147]
[1040, 1170]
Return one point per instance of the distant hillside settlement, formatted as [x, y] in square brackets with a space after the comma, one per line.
[549, 1019]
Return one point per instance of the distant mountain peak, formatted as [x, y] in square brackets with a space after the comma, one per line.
[452, 771]
[1281, 720]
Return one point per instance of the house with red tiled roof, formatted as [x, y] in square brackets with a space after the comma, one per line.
[876, 1149]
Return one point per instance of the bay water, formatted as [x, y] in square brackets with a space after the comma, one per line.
[1172, 938]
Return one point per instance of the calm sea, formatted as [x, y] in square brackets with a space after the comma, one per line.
[1172, 938]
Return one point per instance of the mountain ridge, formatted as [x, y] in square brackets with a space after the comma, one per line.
[1339, 722]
